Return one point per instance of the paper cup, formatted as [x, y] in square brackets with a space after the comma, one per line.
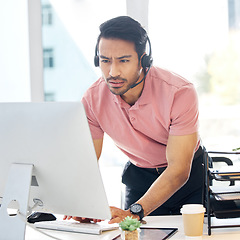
[193, 216]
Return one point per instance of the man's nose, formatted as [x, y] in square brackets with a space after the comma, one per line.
[114, 70]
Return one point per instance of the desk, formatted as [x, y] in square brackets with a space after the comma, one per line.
[158, 221]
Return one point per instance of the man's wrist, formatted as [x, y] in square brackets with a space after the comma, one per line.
[136, 209]
[134, 216]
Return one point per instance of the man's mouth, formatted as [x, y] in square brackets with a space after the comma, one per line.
[116, 83]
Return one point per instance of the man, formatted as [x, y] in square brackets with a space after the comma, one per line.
[152, 116]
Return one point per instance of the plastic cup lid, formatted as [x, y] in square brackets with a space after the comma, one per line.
[192, 208]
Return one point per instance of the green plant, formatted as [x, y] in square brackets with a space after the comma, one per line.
[129, 224]
[236, 149]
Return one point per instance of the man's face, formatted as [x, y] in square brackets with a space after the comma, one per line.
[119, 64]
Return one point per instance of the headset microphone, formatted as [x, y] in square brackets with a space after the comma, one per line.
[135, 84]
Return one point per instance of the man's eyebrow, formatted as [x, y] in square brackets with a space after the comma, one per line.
[101, 56]
[125, 56]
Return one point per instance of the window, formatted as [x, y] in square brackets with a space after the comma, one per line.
[48, 58]
[49, 96]
[234, 14]
[73, 38]
[47, 16]
[205, 50]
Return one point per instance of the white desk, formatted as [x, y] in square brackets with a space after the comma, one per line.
[160, 221]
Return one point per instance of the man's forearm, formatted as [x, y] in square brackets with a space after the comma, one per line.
[162, 189]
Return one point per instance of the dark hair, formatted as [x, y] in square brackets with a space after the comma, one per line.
[125, 28]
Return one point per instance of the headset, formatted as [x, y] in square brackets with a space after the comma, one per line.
[146, 60]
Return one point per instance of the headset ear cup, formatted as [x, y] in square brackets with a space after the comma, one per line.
[146, 61]
[96, 61]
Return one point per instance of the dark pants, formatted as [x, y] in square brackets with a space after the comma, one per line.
[138, 180]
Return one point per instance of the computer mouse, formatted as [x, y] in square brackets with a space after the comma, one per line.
[40, 216]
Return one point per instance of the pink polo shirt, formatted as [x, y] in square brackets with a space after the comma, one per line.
[168, 106]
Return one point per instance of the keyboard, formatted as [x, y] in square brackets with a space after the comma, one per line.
[77, 227]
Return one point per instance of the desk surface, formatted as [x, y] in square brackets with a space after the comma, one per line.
[159, 221]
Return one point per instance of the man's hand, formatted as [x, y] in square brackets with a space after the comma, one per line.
[82, 219]
[118, 215]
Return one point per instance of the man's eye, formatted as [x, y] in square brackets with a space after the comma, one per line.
[105, 61]
[124, 60]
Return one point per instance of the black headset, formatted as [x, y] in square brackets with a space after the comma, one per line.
[146, 60]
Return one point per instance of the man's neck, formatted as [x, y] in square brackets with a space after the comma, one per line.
[132, 95]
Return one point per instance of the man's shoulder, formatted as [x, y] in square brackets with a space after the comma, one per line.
[98, 88]
[169, 78]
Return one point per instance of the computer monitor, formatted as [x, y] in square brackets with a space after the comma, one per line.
[47, 157]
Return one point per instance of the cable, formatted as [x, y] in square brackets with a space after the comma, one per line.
[30, 209]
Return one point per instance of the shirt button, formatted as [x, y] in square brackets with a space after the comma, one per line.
[132, 118]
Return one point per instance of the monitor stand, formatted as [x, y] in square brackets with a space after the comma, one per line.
[17, 189]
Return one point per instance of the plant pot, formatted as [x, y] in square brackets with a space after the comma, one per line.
[130, 235]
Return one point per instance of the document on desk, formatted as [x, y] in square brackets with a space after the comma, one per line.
[228, 170]
[225, 193]
[77, 227]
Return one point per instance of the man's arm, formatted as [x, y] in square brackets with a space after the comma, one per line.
[179, 153]
[98, 146]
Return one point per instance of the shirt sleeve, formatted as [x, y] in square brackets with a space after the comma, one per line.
[95, 129]
[184, 112]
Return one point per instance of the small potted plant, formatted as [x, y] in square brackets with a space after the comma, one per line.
[130, 228]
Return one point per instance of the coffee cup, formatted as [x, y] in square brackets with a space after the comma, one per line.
[193, 216]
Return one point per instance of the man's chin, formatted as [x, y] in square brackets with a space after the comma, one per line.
[118, 92]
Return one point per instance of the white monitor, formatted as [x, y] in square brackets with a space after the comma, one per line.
[50, 144]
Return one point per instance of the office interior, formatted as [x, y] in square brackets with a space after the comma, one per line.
[47, 49]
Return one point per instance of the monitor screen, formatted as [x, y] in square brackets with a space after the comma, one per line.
[55, 139]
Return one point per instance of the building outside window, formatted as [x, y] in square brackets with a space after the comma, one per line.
[47, 16]
[48, 58]
[49, 96]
